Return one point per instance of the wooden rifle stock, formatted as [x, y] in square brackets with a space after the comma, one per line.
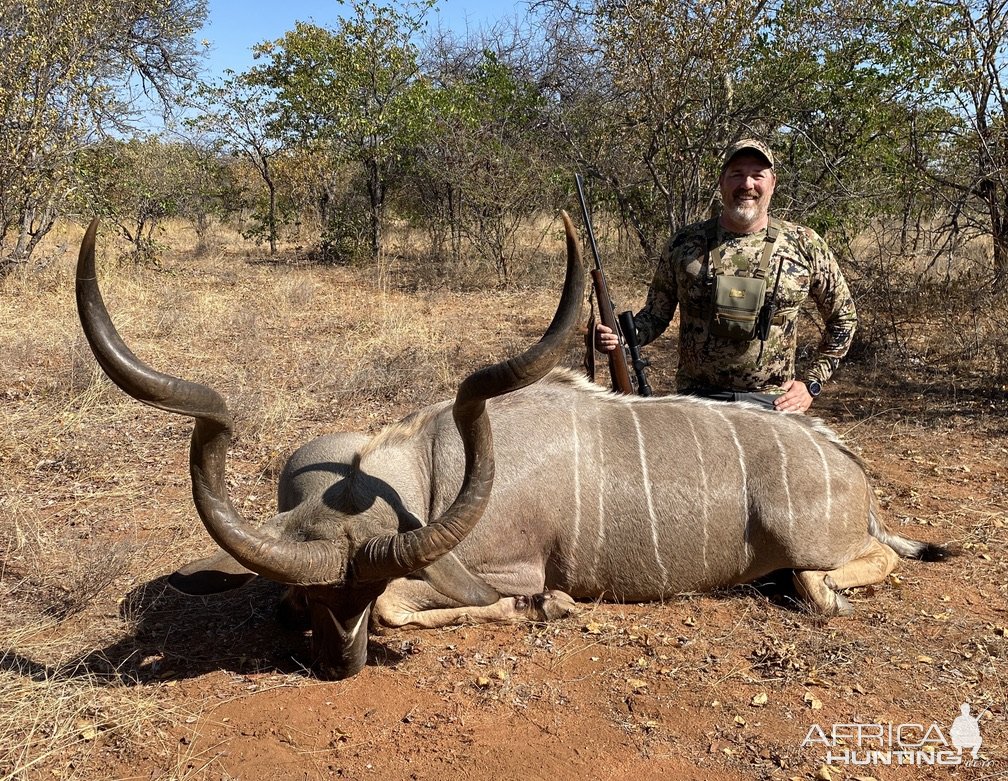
[619, 371]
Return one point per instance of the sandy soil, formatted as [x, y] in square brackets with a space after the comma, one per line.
[723, 686]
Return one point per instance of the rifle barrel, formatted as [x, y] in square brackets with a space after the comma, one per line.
[587, 222]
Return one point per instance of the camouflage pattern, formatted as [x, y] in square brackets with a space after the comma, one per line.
[747, 145]
[684, 279]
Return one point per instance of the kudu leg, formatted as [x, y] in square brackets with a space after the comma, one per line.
[820, 588]
[413, 604]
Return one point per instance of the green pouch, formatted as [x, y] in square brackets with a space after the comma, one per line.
[737, 303]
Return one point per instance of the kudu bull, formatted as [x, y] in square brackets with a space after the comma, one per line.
[593, 495]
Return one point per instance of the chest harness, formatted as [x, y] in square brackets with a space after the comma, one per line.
[741, 310]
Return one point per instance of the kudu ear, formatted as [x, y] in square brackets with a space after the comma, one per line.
[212, 575]
[450, 577]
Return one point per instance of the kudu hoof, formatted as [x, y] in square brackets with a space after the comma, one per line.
[820, 595]
[552, 605]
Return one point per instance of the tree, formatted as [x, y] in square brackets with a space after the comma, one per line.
[241, 116]
[967, 155]
[354, 90]
[141, 182]
[64, 67]
[646, 94]
[652, 92]
[486, 153]
[208, 189]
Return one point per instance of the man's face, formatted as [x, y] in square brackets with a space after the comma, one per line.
[746, 186]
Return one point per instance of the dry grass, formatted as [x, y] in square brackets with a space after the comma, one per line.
[56, 713]
[95, 505]
[94, 498]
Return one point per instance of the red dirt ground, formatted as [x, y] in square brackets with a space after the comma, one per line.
[703, 687]
[718, 687]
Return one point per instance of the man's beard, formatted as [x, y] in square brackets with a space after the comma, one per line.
[745, 212]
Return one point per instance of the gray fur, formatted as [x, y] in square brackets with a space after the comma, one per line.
[732, 492]
[526, 540]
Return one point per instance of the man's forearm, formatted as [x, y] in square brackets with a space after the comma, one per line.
[649, 326]
[837, 341]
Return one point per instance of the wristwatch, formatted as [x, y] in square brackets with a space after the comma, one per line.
[814, 387]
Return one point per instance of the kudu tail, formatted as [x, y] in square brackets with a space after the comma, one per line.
[904, 546]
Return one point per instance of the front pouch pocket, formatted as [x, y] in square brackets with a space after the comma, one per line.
[737, 302]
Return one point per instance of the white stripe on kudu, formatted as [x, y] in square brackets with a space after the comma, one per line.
[704, 492]
[577, 479]
[600, 453]
[745, 483]
[647, 492]
[826, 475]
[784, 480]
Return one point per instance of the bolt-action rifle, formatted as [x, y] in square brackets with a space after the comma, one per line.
[624, 329]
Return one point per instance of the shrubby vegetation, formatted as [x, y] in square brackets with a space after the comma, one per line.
[69, 77]
[888, 117]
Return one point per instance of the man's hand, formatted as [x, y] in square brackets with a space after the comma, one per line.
[605, 339]
[795, 398]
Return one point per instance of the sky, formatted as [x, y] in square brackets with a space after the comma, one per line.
[233, 27]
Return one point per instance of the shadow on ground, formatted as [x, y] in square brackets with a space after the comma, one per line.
[173, 636]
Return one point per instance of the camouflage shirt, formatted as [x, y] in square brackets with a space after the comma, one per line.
[684, 279]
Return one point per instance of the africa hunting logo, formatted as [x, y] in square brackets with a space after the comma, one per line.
[902, 744]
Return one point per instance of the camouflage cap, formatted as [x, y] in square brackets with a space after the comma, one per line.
[747, 145]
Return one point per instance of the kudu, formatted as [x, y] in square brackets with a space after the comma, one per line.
[578, 493]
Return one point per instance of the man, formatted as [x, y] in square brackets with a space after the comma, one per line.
[721, 271]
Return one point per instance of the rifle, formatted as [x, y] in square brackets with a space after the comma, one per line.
[619, 372]
[637, 361]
